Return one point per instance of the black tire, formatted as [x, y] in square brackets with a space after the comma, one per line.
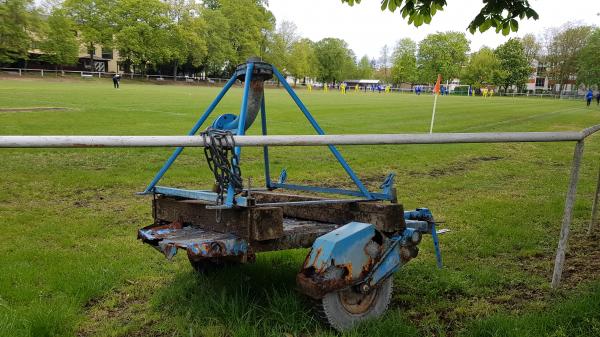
[343, 309]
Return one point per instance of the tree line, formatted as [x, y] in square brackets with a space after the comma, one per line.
[569, 54]
[213, 36]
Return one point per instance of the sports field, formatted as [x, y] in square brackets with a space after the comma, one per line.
[70, 263]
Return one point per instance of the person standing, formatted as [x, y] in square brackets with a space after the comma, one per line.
[589, 96]
[598, 98]
[116, 79]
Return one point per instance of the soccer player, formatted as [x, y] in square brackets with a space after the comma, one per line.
[589, 96]
[309, 87]
[117, 79]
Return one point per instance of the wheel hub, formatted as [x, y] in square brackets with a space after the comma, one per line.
[355, 302]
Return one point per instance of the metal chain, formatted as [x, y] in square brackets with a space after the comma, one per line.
[219, 150]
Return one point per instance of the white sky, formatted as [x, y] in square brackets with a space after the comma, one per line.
[367, 29]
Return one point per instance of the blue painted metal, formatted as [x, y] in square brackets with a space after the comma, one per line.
[424, 214]
[388, 184]
[195, 194]
[320, 131]
[192, 132]
[436, 246]
[199, 243]
[355, 255]
[392, 259]
[376, 196]
[390, 263]
[282, 178]
[227, 122]
[263, 122]
[344, 248]
[241, 128]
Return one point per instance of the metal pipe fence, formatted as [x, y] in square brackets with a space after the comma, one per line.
[361, 139]
[102, 74]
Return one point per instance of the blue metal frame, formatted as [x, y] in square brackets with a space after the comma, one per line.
[424, 214]
[205, 195]
[263, 122]
[241, 128]
[230, 198]
[306, 188]
[363, 190]
[177, 152]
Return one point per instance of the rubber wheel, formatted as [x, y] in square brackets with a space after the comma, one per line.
[342, 309]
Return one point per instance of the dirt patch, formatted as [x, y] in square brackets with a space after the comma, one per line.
[582, 261]
[32, 109]
[455, 168]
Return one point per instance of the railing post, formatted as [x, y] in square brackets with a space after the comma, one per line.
[20, 72]
[42, 72]
[567, 215]
[594, 220]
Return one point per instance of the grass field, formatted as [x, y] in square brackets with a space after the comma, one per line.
[70, 263]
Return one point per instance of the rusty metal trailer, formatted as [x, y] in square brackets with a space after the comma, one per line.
[357, 241]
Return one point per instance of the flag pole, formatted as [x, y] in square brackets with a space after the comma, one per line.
[433, 114]
[436, 91]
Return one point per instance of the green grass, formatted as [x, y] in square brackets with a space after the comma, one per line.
[70, 263]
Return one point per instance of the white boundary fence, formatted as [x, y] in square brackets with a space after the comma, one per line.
[131, 76]
[99, 74]
[364, 139]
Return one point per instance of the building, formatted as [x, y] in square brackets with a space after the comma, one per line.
[105, 60]
[540, 82]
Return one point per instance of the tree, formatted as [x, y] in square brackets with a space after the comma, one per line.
[442, 53]
[219, 49]
[514, 68]
[531, 47]
[482, 68]
[279, 45]
[17, 23]
[384, 61]
[60, 45]
[364, 70]
[186, 35]
[500, 14]
[143, 28]
[302, 60]
[563, 49]
[588, 62]
[335, 59]
[248, 22]
[93, 22]
[404, 62]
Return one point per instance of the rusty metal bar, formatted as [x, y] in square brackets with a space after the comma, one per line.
[567, 215]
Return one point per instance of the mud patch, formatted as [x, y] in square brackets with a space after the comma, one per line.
[32, 109]
[454, 168]
[582, 261]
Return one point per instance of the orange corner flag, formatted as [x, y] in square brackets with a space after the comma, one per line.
[436, 89]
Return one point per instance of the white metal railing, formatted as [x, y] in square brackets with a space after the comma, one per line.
[104, 74]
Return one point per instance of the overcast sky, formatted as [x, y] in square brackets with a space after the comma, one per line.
[367, 29]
